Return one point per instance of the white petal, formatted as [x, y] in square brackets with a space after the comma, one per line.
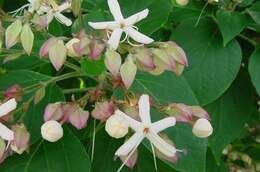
[114, 39]
[161, 145]
[163, 124]
[129, 145]
[135, 125]
[144, 109]
[64, 6]
[63, 19]
[115, 10]
[137, 36]
[104, 25]
[7, 107]
[6, 133]
[136, 17]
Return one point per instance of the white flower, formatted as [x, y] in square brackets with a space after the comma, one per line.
[121, 25]
[116, 127]
[55, 10]
[52, 131]
[146, 129]
[202, 128]
[6, 133]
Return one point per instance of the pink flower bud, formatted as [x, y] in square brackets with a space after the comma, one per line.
[21, 139]
[128, 71]
[70, 49]
[53, 111]
[14, 91]
[44, 51]
[103, 110]
[96, 48]
[180, 111]
[12, 33]
[163, 61]
[131, 161]
[144, 58]
[82, 47]
[112, 61]
[199, 112]
[58, 54]
[76, 115]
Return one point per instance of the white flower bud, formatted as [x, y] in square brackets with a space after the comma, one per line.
[182, 2]
[116, 127]
[202, 128]
[52, 131]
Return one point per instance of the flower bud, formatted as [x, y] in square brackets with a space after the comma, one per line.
[182, 2]
[39, 95]
[12, 33]
[53, 111]
[76, 115]
[40, 21]
[128, 71]
[27, 38]
[116, 127]
[51, 131]
[82, 47]
[21, 139]
[96, 48]
[14, 91]
[76, 7]
[131, 161]
[113, 61]
[144, 58]
[70, 50]
[199, 112]
[103, 110]
[58, 54]
[180, 111]
[202, 128]
[7, 107]
[162, 60]
[44, 51]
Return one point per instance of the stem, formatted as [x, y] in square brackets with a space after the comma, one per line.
[77, 90]
[203, 9]
[252, 42]
[93, 141]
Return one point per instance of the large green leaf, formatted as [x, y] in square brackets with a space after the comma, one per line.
[213, 166]
[34, 116]
[230, 113]
[66, 155]
[254, 12]
[254, 68]
[225, 19]
[212, 67]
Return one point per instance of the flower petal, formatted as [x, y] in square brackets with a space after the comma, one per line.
[129, 145]
[114, 39]
[144, 109]
[136, 17]
[137, 36]
[64, 7]
[163, 124]
[135, 125]
[7, 107]
[115, 9]
[104, 25]
[161, 145]
[63, 19]
[6, 133]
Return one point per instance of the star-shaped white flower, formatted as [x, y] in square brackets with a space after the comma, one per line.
[55, 10]
[6, 133]
[146, 129]
[121, 25]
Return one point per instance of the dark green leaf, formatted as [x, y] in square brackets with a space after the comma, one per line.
[254, 68]
[93, 67]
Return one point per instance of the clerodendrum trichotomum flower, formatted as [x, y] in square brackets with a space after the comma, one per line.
[121, 25]
[6, 133]
[146, 129]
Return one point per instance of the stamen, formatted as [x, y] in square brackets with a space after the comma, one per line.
[133, 44]
[19, 10]
[93, 142]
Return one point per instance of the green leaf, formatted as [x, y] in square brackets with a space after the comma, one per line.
[254, 68]
[213, 166]
[212, 67]
[34, 116]
[93, 67]
[226, 19]
[66, 155]
[254, 12]
[229, 114]
[21, 77]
